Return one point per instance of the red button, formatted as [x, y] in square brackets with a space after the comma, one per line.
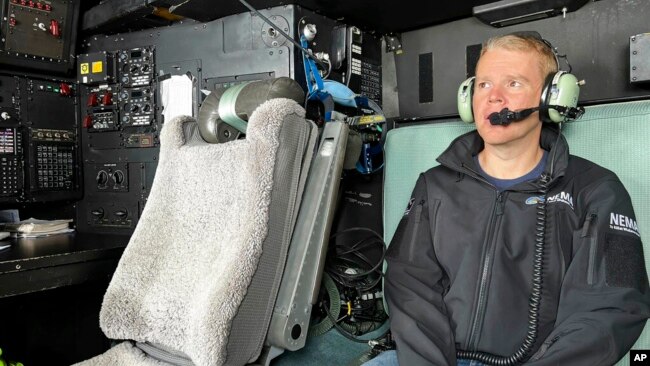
[39, 5]
[48, 7]
[31, 4]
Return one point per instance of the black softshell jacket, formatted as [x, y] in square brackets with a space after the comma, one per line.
[460, 264]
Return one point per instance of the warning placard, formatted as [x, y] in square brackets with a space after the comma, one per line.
[98, 67]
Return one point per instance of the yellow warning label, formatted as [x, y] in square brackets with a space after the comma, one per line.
[84, 68]
[97, 67]
[371, 119]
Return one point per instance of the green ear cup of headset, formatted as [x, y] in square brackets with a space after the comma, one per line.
[465, 100]
[564, 92]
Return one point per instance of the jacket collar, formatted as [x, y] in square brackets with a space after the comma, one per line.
[459, 155]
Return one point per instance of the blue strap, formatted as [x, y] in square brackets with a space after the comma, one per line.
[316, 92]
[311, 72]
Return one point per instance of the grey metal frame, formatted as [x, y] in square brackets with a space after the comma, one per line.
[306, 258]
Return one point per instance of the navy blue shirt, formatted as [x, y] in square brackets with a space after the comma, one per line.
[503, 184]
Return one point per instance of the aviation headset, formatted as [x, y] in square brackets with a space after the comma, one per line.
[559, 96]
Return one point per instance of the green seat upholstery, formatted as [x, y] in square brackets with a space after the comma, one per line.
[612, 135]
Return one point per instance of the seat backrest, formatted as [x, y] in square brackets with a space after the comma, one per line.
[612, 135]
[200, 274]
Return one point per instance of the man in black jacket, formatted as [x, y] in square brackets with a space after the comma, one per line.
[464, 280]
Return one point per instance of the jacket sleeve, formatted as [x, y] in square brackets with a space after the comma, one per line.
[604, 299]
[414, 286]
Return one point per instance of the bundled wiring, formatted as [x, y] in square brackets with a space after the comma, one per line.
[357, 278]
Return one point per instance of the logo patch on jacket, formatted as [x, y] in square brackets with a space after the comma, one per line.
[562, 197]
[533, 200]
[623, 223]
[409, 206]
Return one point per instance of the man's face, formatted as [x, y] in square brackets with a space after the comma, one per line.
[511, 79]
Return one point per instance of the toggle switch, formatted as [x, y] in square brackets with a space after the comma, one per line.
[65, 90]
[87, 122]
[54, 28]
[107, 99]
[92, 100]
[122, 214]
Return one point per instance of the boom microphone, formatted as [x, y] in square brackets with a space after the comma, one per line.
[506, 116]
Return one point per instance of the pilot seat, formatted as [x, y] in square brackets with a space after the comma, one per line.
[226, 260]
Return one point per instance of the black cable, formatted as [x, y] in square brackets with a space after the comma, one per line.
[356, 228]
[339, 273]
[341, 330]
[348, 335]
[360, 282]
[364, 259]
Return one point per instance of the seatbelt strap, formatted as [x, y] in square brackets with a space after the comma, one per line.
[164, 354]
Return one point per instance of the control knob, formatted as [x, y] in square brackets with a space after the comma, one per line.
[98, 213]
[118, 177]
[102, 179]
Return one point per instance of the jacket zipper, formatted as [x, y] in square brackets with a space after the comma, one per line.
[418, 218]
[562, 260]
[485, 270]
[593, 246]
[588, 221]
[547, 344]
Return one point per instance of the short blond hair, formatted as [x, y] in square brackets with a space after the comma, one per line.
[525, 43]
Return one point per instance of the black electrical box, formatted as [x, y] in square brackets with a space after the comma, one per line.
[39, 34]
